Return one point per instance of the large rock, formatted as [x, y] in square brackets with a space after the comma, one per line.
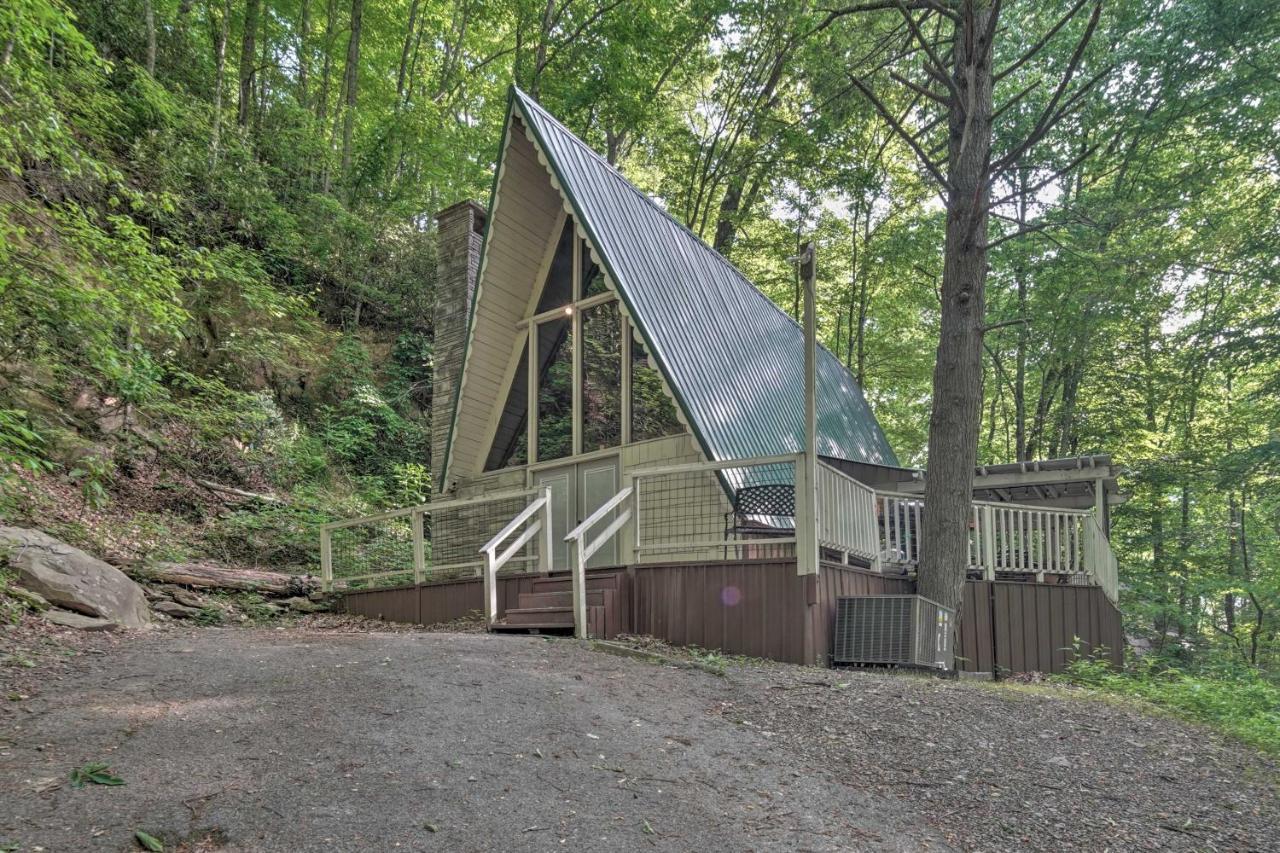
[71, 619]
[69, 578]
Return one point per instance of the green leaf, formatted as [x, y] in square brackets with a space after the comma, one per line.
[97, 773]
[149, 842]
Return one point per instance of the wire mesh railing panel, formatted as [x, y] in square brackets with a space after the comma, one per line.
[702, 512]
[374, 553]
[457, 533]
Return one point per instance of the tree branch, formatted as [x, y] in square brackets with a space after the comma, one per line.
[1039, 45]
[902, 133]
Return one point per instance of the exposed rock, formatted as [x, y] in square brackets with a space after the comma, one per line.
[175, 610]
[32, 600]
[303, 605]
[71, 619]
[69, 578]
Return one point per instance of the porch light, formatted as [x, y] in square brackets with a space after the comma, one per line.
[568, 310]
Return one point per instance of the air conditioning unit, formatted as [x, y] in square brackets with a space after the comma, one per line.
[904, 630]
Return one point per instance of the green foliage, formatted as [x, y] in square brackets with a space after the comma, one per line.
[1235, 699]
[97, 773]
[93, 474]
[21, 446]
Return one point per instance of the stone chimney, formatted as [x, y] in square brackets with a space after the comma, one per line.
[459, 232]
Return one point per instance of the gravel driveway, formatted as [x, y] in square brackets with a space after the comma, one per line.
[242, 739]
[292, 739]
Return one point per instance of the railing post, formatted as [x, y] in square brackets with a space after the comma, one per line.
[326, 559]
[806, 515]
[579, 589]
[988, 543]
[490, 588]
[545, 551]
[416, 520]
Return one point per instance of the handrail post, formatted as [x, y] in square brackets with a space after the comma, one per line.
[579, 589]
[545, 552]
[416, 521]
[326, 559]
[987, 516]
[490, 587]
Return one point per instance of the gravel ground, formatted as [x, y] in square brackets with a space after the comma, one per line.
[297, 739]
[330, 737]
[1003, 767]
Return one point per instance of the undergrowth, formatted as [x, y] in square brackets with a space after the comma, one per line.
[1232, 698]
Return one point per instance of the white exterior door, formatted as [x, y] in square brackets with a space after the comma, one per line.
[577, 490]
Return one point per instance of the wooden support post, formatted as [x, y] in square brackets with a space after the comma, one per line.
[807, 522]
[988, 543]
[579, 589]
[326, 559]
[545, 550]
[416, 519]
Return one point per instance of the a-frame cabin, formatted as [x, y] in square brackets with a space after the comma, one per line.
[610, 392]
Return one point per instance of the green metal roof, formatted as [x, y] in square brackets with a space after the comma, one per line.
[732, 357]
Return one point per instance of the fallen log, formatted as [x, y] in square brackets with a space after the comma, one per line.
[240, 493]
[216, 576]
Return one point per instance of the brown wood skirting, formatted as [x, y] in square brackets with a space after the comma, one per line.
[762, 608]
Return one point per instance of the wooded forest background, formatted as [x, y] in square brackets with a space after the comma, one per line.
[217, 260]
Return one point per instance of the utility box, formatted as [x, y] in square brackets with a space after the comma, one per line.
[899, 630]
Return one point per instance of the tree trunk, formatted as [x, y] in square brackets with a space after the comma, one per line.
[304, 52]
[248, 56]
[957, 377]
[351, 80]
[149, 19]
[214, 576]
[402, 74]
[220, 31]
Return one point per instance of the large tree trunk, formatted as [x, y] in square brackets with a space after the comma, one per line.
[248, 58]
[957, 376]
[304, 52]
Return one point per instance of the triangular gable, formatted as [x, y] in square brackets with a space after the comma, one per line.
[733, 360]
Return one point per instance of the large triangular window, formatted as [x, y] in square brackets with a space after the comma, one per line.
[582, 371]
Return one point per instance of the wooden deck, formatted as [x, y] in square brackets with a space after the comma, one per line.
[762, 608]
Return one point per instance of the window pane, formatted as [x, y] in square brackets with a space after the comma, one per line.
[510, 444]
[592, 275]
[601, 377]
[652, 413]
[555, 389]
[559, 286]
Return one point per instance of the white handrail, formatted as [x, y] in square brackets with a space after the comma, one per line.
[583, 552]
[494, 561]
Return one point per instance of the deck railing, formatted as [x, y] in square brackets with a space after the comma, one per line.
[846, 516]
[528, 523]
[416, 544]
[583, 549]
[686, 512]
[1007, 539]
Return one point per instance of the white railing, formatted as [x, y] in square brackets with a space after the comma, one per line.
[530, 521]
[417, 543]
[846, 516]
[1007, 538]
[583, 551]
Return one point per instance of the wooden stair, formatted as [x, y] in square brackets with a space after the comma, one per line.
[548, 607]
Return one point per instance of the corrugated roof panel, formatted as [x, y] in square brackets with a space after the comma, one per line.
[734, 359]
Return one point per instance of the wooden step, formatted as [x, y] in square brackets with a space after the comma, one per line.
[562, 599]
[540, 616]
[565, 583]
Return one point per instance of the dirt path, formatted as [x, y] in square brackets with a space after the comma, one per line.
[294, 740]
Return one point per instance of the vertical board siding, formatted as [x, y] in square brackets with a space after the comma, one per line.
[760, 608]
[1035, 626]
[748, 607]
